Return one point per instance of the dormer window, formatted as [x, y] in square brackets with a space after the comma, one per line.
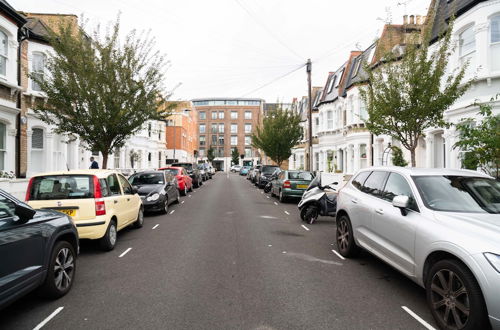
[38, 70]
[332, 83]
[4, 48]
[340, 78]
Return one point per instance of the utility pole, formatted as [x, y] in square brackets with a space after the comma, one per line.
[309, 156]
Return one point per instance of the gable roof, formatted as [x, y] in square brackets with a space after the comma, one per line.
[444, 10]
[12, 13]
[37, 29]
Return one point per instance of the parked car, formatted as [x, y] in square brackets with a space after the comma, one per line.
[211, 169]
[255, 171]
[235, 168]
[192, 170]
[203, 172]
[244, 170]
[100, 202]
[158, 189]
[32, 243]
[290, 184]
[264, 175]
[184, 181]
[439, 227]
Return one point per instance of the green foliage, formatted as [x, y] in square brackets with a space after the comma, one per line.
[397, 157]
[211, 154]
[480, 143]
[235, 156]
[407, 95]
[101, 89]
[278, 134]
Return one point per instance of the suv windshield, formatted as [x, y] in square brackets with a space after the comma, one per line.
[146, 178]
[61, 187]
[459, 194]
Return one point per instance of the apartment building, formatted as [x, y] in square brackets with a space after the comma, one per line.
[182, 132]
[227, 123]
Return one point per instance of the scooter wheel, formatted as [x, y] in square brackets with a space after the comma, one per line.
[311, 214]
[303, 214]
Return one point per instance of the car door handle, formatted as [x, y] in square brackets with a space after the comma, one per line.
[128, 199]
[355, 201]
[115, 201]
[379, 211]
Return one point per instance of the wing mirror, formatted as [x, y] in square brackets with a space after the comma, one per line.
[402, 202]
[135, 190]
[25, 213]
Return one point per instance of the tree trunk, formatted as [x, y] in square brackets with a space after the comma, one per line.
[412, 157]
[104, 161]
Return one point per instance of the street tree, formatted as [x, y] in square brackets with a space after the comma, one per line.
[408, 93]
[101, 89]
[235, 156]
[480, 142]
[211, 154]
[279, 133]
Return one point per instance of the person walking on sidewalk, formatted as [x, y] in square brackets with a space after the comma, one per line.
[93, 164]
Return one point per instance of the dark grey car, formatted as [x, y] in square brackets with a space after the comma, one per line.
[158, 189]
[37, 248]
[193, 172]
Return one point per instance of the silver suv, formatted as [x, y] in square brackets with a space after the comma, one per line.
[439, 227]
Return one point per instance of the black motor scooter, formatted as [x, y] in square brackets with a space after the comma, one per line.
[318, 200]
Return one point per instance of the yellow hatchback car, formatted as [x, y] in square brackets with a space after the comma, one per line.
[101, 202]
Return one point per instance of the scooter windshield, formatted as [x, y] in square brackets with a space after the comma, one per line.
[314, 183]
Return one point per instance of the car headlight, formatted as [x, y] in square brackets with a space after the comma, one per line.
[153, 197]
[494, 260]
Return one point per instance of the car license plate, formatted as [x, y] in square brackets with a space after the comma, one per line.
[302, 186]
[71, 213]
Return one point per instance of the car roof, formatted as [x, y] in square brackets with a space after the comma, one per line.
[98, 173]
[416, 171]
[150, 172]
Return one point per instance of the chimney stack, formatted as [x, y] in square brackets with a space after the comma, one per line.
[405, 19]
[419, 20]
[412, 19]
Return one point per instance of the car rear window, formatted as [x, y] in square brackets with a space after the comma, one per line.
[62, 187]
[269, 169]
[185, 165]
[172, 171]
[300, 176]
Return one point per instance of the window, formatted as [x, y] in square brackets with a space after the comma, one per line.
[373, 185]
[202, 140]
[4, 55]
[397, 185]
[202, 152]
[234, 114]
[234, 140]
[127, 188]
[221, 114]
[234, 128]
[363, 114]
[248, 128]
[220, 152]
[214, 128]
[38, 69]
[202, 115]
[214, 114]
[332, 83]
[340, 78]
[55, 187]
[467, 44]
[221, 128]
[359, 180]
[149, 129]
[104, 188]
[248, 140]
[214, 139]
[495, 43]
[149, 156]
[8, 208]
[248, 152]
[329, 119]
[202, 128]
[248, 114]
[221, 140]
[116, 158]
[3, 130]
[37, 138]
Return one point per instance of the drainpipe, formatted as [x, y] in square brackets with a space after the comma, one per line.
[22, 35]
[371, 149]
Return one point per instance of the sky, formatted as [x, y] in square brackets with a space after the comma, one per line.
[244, 48]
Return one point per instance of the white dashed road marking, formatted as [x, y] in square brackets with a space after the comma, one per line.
[338, 254]
[124, 253]
[275, 203]
[155, 226]
[171, 212]
[418, 318]
[305, 227]
[50, 317]
[287, 213]
[182, 202]
[267, 196]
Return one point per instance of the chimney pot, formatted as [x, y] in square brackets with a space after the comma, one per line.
[412, 19]
[405, 19]
[419, 19]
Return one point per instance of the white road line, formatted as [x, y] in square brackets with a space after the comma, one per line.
[275, 203]
[50, 317]
[269, 245]
[182, 202]
[189, 196]
[338, 254]
[155, 226]
[283, 252]
[124, 253]
[261, 192]
[305, 227]
[172, 211]
[286, 212]
[418, 318]
[267, 196]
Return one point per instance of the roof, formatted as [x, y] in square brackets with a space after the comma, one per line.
[38, 29]
[357, 73]
[418, 171]
[227, 99]
[9, 10]
[444, 10]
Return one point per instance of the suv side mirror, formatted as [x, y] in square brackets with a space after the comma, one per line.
[402, 202]
[24, 213]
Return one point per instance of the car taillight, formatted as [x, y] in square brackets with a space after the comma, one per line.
[100, 206]
[287, 184]
[28, 191]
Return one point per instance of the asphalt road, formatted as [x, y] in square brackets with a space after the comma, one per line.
[228, 257]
